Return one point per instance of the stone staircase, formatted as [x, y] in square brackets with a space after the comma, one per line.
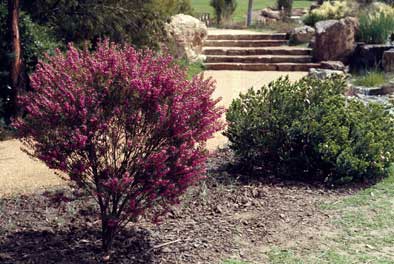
[255, 52]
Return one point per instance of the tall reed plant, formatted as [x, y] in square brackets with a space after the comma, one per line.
[376, 28]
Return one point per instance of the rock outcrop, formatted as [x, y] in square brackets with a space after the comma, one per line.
[186, 35]
[335, 39]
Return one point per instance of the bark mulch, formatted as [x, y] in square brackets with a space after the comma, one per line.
[222, 218]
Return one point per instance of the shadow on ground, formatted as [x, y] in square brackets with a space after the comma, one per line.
[75, 246]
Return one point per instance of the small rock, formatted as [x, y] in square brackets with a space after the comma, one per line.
[166, 250]
[219, 209]
[323, 73]
[302, 34]
[333, 65]
[269, 13]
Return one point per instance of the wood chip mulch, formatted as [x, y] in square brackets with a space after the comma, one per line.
[222, 218]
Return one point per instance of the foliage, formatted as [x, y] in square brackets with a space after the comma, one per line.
[224, 9]
[140, 22]
[192, 68]
[171, 7]
[286, 6]
[308, 130]
[329, 10]
[371, 79]
[36, 40]
[239, 16]
[376, 25]
[125, 125]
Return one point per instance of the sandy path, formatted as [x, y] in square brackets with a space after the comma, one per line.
[230, 83]
[21, 174]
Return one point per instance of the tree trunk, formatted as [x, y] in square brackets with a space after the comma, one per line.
[249, 16]
[16, 62]
[108, 234]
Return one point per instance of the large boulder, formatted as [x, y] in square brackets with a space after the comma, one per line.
[186, 35]
[302, 34]
[388, 60]
[335, 39]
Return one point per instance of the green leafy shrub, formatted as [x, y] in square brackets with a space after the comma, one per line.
[376, 26]
[371, 79]
[168, 8]
[309, 131]
[329, 10]
[224, 9]
[140, 22]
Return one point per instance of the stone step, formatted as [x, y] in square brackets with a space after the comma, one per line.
[261, 66]
[257, 36]
[259, 59]
[244, 43]
[238, 51]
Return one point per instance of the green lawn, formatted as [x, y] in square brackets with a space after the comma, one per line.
[362, 232]
[365, 231]
[202, 6]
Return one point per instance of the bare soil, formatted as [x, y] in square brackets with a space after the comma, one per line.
[224, 217]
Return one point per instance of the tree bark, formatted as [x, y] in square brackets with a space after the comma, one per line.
[16, 62]
[249, 16]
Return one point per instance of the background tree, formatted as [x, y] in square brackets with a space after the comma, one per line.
[139, 22]
[15, 76]
[224, 9]
[286, 6]
[35, 41]
[250, 13]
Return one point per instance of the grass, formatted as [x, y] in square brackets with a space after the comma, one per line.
[375, 29]
[230, 261]
[192, 68]
[364, 232]
[202, 6]
[371, 79]
[278, 26]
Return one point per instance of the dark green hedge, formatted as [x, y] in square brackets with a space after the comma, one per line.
[309, 131]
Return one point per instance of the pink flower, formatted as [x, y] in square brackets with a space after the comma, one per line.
[126, 125]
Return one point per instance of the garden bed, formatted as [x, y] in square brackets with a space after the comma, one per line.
[223, 218]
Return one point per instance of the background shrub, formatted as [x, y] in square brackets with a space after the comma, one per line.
[140, 22]
[376, 25]
[126, 126]
[168, 8]
[329, 10]
[224, 9]
[309, 131]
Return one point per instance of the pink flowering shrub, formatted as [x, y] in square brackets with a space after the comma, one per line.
[126, 126]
